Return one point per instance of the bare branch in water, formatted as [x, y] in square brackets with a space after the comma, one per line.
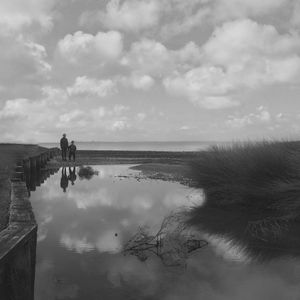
[172, 243]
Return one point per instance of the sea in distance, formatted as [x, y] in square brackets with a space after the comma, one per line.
[139, 146]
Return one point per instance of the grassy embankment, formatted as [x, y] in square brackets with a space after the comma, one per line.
[9, 155]
[253, 174]
[252, 192]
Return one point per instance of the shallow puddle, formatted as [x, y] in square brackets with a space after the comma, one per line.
[85, 223]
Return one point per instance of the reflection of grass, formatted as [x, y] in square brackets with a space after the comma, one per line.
[263, 179]
[87, 172]
[252, 196]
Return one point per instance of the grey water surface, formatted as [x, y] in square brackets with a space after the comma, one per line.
[82, 232]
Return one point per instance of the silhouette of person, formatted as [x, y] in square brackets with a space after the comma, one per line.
[64, 179]
[64, 144]
[72, 151]
[72, 175]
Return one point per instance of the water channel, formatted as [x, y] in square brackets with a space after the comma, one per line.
[84, 223]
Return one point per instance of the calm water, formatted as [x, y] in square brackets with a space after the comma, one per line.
[138, 146]
[82, 232]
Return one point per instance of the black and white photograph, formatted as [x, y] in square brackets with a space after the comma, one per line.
[149, 149]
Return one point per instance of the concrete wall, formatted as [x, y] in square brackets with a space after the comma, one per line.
[18, 240]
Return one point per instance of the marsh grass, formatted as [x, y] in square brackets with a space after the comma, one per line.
[252, 191]
[249, 173]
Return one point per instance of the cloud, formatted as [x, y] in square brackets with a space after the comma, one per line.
[23, 62]
[151, 57]
[16, 14]
[185, 24]
[224, 10]
[119, 125]
[131, 15]
[261, 116]
[205, 86]
[25, 120]
[148, 57]
[295, 19]
[239, 54]
[253, 54]
[91, 86]
[141, 116]
[92, 50]
[138, 81]
[79, 245]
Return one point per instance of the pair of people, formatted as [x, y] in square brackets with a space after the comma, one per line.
[64, 181]
[65, 147]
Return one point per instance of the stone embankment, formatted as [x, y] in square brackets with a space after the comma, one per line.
[18, 239]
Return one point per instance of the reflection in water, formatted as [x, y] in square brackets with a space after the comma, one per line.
[87, 172]
[82, 233]
[72, 175]
[35, 176]
[250, 232]
[172, 243]
[64, 181]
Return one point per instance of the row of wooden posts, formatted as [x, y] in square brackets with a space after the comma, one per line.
[18, 240]
[32, 170]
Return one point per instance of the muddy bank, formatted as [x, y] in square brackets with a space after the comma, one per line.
[162, 165]
[179, 172]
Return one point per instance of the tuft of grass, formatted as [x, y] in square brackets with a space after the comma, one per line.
[252, 194]
[262, 176]
[248, 173]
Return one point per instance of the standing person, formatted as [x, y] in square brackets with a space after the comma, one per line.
[72, 150]
[64, 144]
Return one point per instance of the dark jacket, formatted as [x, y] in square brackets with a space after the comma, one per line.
[64, 143]
[72, 148]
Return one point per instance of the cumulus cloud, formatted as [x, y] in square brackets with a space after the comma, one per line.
[239, 54]
[17, 14]
[148, 56]
[261, 116]
[22, 61]
[185, 24]
[138, 81]
[131, 15]
[151, 57]
[206, 86]
[87, 49]
[26, 120]
[91, 86]
[253, 54]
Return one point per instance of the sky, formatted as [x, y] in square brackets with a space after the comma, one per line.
[149, 70]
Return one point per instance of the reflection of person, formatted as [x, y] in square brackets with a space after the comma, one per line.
[64, 146]
[72, 175]
[72, 150]
[64, 179]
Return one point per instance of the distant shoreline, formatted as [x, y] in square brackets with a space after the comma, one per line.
[173, 146]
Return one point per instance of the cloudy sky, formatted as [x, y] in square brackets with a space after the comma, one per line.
[144, 70]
